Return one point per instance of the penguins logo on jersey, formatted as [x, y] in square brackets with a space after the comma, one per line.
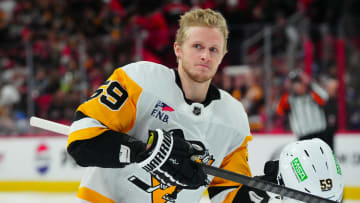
[161, 110]
[162, 193]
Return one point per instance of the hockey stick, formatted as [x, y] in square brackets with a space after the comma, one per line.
[49, 125]
[264, 185]
[211, 170]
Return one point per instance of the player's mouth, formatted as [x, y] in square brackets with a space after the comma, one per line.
[203, 66]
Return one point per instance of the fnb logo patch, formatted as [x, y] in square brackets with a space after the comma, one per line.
[299, 170]
[160, 111]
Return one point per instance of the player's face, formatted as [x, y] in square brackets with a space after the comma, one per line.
[201, 53]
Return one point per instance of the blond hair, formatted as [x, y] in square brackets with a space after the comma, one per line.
[202, 18]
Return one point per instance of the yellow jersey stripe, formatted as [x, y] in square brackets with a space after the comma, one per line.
[236, 161]
[93, 196]
[85, 134]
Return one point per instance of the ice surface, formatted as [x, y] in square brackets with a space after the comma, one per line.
[34, 197]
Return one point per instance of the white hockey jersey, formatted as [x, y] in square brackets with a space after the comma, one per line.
[143, 96]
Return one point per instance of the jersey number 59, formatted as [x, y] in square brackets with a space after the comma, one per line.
[113, 95]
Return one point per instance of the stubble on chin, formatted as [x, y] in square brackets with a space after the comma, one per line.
[197, 76]
[201, 78]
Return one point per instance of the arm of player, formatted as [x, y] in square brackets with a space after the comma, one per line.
[221, 190]
[98, 136]
[100, 146]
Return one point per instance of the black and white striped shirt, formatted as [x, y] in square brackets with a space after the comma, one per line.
[306, 113]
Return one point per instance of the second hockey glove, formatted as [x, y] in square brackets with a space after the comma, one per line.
[168, 159]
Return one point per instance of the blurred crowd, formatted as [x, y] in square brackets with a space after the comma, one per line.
[54, 54]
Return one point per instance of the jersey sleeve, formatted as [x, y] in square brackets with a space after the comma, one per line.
[283, 105]
[98, 134]
[221, 190]
[114, 103]
[319, 95]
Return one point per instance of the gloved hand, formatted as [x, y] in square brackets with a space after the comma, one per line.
[169, 160]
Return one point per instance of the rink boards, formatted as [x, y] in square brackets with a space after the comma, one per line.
[42, 164]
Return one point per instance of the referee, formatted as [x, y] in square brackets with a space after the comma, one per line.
[304, 104]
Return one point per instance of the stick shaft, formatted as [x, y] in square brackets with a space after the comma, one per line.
[264, 185]
[49, 125]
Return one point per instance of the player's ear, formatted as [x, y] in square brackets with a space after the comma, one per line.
[177, 49]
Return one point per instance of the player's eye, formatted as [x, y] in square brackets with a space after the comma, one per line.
[213, 49]
[197, 46]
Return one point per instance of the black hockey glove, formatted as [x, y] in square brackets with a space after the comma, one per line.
[169, 160]
[248, 194]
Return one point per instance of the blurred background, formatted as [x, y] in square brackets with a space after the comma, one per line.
[51, 50]
[54, 54]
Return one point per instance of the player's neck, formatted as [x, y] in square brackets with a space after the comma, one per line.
[194, 91]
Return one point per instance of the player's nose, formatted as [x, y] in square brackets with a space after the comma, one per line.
[205, 55]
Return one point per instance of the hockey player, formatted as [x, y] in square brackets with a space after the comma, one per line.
[139, 132]
[309, 166]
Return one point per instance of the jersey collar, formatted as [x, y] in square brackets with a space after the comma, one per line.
[212, 94]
